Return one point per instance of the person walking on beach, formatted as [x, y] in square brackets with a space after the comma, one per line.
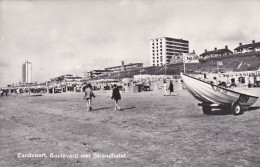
[165, 87]
[171, 88]
[116, 96]
[1, 92]
[88, 96]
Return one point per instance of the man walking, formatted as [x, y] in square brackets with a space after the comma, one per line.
[88, 96]
[116, 96]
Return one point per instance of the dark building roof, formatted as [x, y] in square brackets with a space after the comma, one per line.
[173, 39]
[99, 71]
[216, 51]
[176, 40]
[251, 46]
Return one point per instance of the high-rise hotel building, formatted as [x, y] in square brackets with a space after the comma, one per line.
[27, 72]
[163, 49]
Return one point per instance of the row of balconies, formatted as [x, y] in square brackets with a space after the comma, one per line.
[177, 44]
[180, 47]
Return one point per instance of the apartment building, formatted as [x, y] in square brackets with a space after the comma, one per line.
[27, 72]
[162, 50]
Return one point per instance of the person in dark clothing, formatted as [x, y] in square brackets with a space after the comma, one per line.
[116, 96]
[171, 88]
[88, 96]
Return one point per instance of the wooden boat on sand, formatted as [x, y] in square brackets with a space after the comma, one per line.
[213, 96]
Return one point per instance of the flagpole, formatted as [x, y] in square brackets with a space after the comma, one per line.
[183, 63]
[165, 70]
[217, 66]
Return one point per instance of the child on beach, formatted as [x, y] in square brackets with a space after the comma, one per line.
[116, 96]
[165, 87]
[88, 96]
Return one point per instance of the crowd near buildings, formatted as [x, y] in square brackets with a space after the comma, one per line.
[163, 51]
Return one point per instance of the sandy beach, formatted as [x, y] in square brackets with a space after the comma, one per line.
[150, 130]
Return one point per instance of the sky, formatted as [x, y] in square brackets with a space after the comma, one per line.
[74, 36]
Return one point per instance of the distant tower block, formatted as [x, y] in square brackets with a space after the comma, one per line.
[123, 66]
[27, 72]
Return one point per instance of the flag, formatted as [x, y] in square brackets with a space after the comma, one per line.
[190, 58]
[219, 63]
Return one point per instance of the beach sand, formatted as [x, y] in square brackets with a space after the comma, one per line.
[150, 130]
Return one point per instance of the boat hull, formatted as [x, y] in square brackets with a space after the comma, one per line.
[212, 94]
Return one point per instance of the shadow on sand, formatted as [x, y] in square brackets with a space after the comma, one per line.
[252, 108]
[172, 95]
[228, 112]
[102, 108]
[126, 108]
[220, 112]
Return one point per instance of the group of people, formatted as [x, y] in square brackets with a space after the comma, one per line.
[2, 92]
[116, 96]
[166, 88]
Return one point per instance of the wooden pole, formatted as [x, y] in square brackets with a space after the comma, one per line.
[184, 64]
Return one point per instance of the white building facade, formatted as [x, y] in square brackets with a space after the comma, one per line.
[162, 50]
[27, 72]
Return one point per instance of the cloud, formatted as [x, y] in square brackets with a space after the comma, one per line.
[4, 64]
[61, 37]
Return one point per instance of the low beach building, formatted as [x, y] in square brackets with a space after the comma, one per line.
[124, 67]
[216, 53]
[253, 47]
[96, 73]
[65, 83]
[68, 79]
[238, 78]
